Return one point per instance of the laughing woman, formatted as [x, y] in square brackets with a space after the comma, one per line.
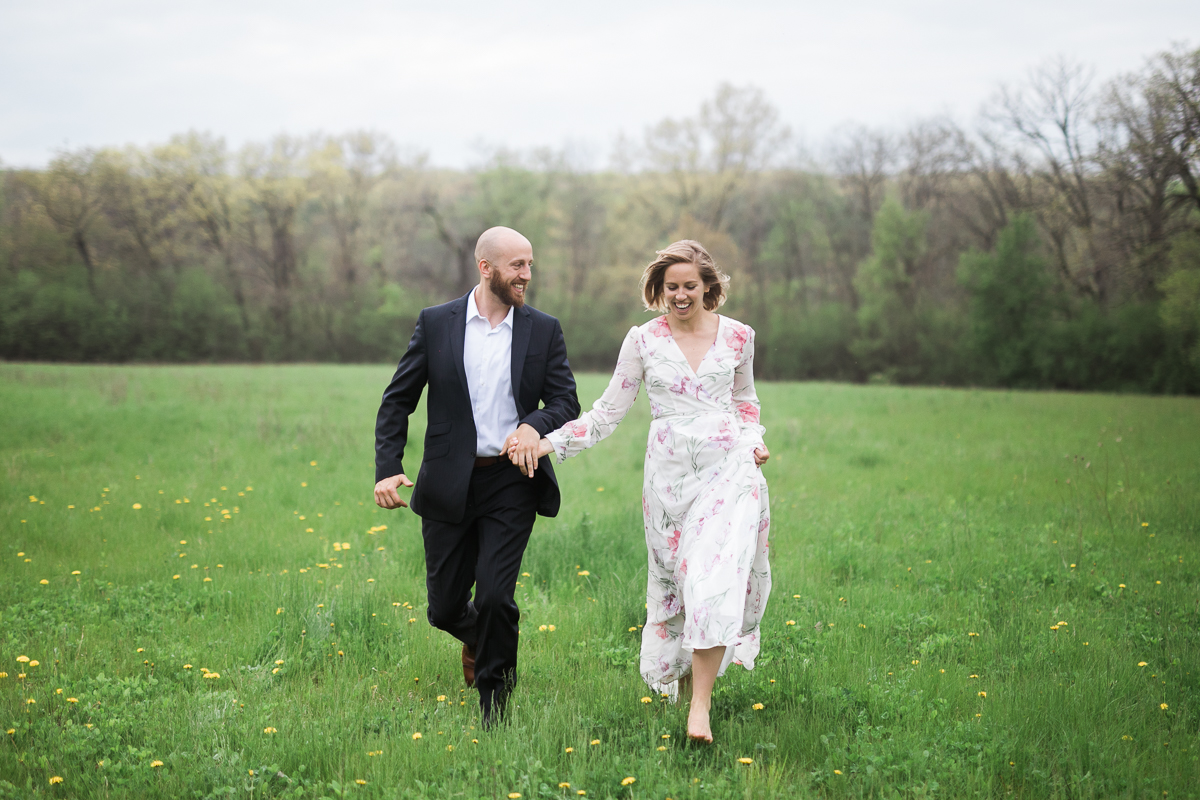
[704, 497]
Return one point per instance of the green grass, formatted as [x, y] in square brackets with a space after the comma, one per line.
[924, 543]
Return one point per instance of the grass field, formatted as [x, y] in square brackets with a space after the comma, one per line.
[975, 594]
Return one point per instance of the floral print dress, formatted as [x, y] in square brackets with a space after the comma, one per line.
[703, 498]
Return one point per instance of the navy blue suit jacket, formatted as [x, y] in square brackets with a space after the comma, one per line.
[543, 388]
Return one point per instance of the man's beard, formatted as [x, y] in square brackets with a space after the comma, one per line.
[504, 291]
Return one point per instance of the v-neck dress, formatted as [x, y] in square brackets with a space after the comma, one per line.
[704, 499]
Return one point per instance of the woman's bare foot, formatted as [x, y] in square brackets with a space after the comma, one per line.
[698, 727]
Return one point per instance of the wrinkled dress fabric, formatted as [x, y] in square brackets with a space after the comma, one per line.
[704, 499]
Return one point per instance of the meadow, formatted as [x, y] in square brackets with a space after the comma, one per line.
[976, 594]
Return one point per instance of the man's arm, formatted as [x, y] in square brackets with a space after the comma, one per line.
[560, 403]
[391, 424]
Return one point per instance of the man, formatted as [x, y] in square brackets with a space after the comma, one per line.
[489, 360]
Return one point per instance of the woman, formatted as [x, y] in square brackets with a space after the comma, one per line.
[704, 497]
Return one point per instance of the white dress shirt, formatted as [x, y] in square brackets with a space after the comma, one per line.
[487, 357]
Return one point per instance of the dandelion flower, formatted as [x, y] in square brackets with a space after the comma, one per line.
[11, 731]
[1141, 663]
[72, 699]
[745, 760]
[155, 763]
[514, 796]
[441, 698]
[542, 628]
[56, 779]
[790, 622]
[75, 572]
[32, 702]
[1163, 706]
[594, 742]
[174, 577]
[551, 629]
[23, 659]
[137, 506]
[564, 785]
[666, 736]
[983, 694]
[647, 700]
[583, 573]
[837, 772]
[569, 750]
[661, 748]
[628, 781]
[44, 582]
[360, 781]
[416, 736]
[34, 663]
[757, 706]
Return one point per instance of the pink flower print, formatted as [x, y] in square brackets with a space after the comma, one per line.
[660, 628]
[673, 541]
[683, 568]
[764, 524]
[725, 439]
[700, 618]
[748, 412]
[655, 410]
[684, 386]
[671, 605]
[736, 337]
[660, 328]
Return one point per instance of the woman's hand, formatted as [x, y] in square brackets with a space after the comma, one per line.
[761, 454]
[544, 448]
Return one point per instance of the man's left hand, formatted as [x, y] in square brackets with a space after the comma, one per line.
[521, 447]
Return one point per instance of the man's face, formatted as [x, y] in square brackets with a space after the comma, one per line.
[511, 273]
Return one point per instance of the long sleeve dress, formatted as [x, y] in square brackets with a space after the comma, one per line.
[704, 499]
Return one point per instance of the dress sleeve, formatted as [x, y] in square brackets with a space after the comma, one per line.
[575, 437]
[745, 399]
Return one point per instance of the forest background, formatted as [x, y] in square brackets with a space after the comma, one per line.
[1054, 242]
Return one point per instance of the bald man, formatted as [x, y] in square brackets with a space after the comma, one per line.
[498, 377]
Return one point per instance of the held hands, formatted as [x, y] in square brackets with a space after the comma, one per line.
[386, 495]
[761, 454]
[525, 446]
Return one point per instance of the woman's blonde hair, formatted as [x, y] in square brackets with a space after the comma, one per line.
[685, 251]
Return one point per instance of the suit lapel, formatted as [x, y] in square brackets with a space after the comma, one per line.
[458, 323]
[522, 326]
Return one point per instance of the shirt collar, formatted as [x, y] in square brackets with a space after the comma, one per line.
[473, 312]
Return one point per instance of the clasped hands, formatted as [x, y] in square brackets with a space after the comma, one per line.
[525, 446]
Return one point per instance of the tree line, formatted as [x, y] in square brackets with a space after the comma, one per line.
[1053, 242]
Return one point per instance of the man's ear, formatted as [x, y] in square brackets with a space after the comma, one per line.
[485, 268]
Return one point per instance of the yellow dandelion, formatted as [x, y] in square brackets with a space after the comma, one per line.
[666, 736]
[1163, 706]
[174, 577]
[514, 796]
[56, 779]
[790, 622]
[1145, 524]
[360, 781]
[628, 781]
[551, 628]
[72, 699]
[757, 706]
[569, 750]
[1141, 663]
[44, 582]
[416, 736]
[564, 785]
[34, 663]
[441, 698]
[75, 572]
[23, 659]
[837, 772]
[32, 702]
[744, 760]
[594, 742]
[157, 763]
[583, 573]
[543, 628]
[647, 700]
[11, 731]
[137, 506]
[983, 694]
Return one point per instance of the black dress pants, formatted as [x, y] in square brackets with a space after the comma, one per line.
[483, 550]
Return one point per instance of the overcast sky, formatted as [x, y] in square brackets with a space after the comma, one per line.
[452, 78]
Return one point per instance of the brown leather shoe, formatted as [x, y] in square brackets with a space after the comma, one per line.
[468, 664]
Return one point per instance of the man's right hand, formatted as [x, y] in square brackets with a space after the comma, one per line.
[386, 495]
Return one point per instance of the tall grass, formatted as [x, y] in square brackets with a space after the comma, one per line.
[966, 585]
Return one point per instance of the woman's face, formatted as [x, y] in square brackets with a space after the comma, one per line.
[684, 291]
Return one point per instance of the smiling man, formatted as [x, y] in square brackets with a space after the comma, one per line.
[498, 378]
